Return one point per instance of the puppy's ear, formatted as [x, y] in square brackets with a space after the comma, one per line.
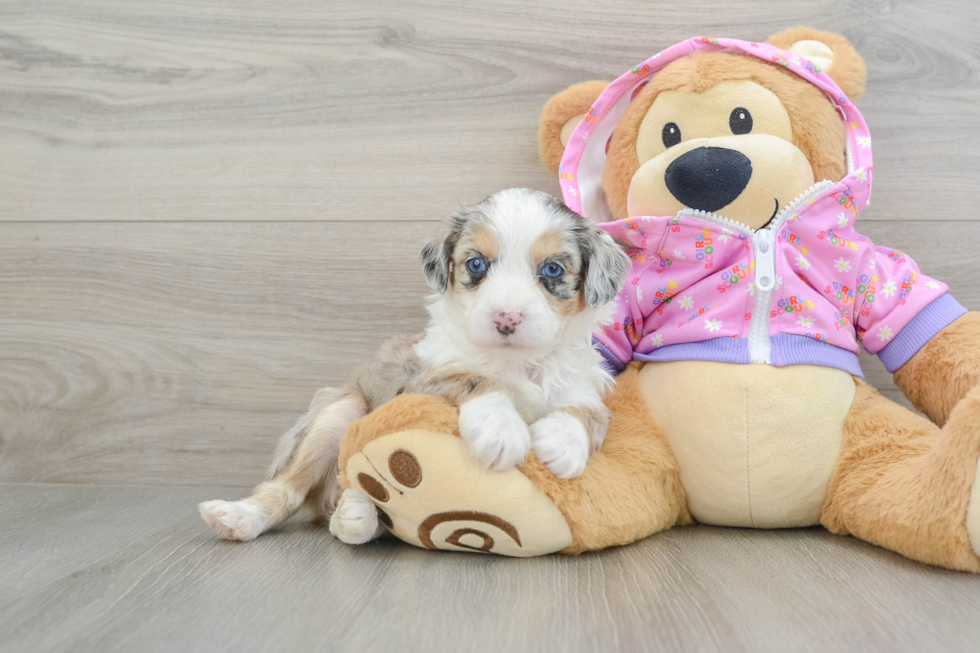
[435, 264]
[606, 265]
[437, 255]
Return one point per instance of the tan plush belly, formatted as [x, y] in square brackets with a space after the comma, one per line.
[756, 444]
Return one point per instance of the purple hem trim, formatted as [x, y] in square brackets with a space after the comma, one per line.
[936, 316]
[792, 349]
[719, 350]
[610, 362]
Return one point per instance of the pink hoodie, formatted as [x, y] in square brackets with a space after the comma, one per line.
[807, 289]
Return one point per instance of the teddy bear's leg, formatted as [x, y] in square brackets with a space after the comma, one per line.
[430, 491]
[630, 489]
[407, 461]
[903, 483]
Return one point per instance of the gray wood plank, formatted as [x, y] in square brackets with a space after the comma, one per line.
[176, 353]
[304, 110]
[89, 568]
[149, 352]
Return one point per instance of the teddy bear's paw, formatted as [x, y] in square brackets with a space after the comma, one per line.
[561, 443]
[495, 431]
[355, 521]
[234, 520]
[431, 492]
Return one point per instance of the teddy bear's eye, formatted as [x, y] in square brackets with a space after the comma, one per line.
[740, 121]
[672, 134]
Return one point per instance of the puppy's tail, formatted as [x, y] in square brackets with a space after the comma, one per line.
[311, 448]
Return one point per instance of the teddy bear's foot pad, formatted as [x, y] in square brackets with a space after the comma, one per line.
[431, 492]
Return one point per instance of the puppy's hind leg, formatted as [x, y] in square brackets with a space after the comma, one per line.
[356, 519]
[290, 440]
[311, 467]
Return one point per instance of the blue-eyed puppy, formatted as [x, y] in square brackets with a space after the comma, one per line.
[521, 282]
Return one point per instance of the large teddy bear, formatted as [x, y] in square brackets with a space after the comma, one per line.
[739, 399]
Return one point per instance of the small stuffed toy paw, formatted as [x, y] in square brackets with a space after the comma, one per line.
[561, 443]
[431, 492]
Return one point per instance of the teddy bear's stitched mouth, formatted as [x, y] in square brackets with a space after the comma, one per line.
[771, 217]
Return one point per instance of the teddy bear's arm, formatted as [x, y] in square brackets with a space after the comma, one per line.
[616, 340]
[944, 370]
[920, 332]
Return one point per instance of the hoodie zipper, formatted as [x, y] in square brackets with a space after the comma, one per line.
[764, 250]
[760, 347]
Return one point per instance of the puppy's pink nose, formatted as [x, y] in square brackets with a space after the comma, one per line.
[507, 321]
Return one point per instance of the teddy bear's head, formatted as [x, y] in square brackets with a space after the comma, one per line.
[722, 132]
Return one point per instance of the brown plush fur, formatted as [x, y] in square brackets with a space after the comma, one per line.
[904, 484]
[944, 370]
[848, 69]
[817, 127]
[630, 489]
[408, 411]
[573, 101]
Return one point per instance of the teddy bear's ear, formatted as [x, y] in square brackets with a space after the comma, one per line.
[560, 116]
[831, 52]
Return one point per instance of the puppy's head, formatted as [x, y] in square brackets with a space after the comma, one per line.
[523, 271]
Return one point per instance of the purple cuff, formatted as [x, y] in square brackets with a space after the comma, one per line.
[610, 362]
[932, 319]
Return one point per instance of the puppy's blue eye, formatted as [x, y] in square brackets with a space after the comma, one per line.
[476, 265]
[552, 270]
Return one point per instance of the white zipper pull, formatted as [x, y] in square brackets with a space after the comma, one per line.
[760, 347]
[765, 260]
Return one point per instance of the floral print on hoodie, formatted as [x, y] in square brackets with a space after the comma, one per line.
[692, 292]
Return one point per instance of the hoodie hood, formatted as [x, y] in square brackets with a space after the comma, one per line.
[580, 173]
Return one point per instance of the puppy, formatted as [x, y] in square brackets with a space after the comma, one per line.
[521, 281]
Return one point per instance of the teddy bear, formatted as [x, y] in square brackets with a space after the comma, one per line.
[732, 173]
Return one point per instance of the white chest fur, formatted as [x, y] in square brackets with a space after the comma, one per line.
[756, 444]
[569, 375]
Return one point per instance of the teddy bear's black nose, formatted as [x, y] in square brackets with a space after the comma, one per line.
[708, 178]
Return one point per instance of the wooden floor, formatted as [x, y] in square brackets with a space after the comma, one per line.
[210, 209]
[108, 568]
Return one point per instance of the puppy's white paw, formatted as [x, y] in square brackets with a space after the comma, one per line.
[234, 520]
[561, 443]
[494, 430]
[355, 521]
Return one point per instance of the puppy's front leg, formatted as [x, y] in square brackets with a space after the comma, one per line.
[565, 438]
[496, 433]
[488, 421]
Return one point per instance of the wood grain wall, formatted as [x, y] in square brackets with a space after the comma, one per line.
[210, 209]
